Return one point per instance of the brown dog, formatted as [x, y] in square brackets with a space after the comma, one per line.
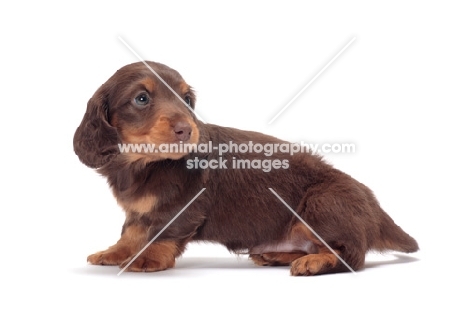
[237, 209]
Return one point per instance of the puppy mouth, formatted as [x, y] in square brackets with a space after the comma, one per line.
[166, 139]
[175, 142]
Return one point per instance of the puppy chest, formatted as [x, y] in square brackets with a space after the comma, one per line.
[138, 204]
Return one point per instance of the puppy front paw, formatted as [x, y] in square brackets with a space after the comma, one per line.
[145, 264]
[156, 257]
[110, 257]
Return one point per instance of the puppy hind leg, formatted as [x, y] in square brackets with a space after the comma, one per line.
[297, 243]
[337, 226]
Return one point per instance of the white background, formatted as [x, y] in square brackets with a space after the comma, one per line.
[397, 92]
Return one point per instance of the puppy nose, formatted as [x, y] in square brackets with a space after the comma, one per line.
[182, 130]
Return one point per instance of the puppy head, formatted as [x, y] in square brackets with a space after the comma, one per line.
[135, 107]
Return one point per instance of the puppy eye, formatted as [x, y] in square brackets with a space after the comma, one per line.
[188, 100]
[142, 99]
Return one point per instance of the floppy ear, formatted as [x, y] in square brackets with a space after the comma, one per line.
[96, 141]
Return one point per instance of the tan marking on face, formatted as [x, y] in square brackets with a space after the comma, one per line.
[149, 84]
[161, 133]
[184, 87]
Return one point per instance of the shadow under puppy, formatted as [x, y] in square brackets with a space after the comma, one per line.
[237, 209]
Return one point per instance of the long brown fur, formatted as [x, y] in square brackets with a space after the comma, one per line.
[237, 209]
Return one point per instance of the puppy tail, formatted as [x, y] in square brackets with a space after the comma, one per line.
[394, 238]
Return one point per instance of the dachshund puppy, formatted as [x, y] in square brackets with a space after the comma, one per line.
[237, 208]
